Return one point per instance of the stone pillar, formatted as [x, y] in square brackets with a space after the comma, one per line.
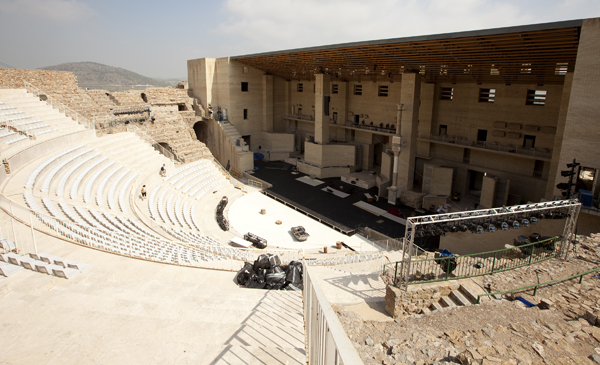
[267, 103]
[322, 92]
[393, 191]
[410, 97]
[488, 192]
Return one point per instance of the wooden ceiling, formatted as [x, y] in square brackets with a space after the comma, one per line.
[529, 54]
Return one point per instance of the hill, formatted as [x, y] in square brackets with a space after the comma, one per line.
[98, 76]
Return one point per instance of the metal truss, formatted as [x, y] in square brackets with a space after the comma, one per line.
[412, 224]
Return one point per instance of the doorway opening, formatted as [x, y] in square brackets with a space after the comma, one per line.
[481, 136]
[529, 141]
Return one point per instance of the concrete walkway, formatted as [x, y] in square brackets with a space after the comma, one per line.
[124, 311]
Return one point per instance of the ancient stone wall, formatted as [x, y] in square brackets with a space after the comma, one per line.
[401, 303]
[50, 81]
[173, 112]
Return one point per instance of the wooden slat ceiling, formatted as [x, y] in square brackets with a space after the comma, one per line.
[526, 56]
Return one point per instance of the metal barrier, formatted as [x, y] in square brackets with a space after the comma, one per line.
[60, 106]
[483, 263]
[535, 286]
[326, 340]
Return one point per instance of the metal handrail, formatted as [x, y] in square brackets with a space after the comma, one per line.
[535, 286]
[58, 105]
[496, 256]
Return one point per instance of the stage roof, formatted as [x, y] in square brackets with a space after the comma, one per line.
[539, 53]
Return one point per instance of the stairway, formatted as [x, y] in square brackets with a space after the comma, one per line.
[457, 298]
[234, 136]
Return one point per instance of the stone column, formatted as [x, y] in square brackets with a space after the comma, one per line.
[322, 92]
[410, 97]
[393, 191]
[267, 103]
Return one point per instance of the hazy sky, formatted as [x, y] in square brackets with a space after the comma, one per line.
[156, 38]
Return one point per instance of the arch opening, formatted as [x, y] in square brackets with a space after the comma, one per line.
[201, 130]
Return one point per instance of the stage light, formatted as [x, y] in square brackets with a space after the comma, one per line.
[533, 220]
[463, 227]
[503, 226]
[489, 227]
[524, 222]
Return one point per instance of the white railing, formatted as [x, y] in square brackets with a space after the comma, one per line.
[60, 106]
[146, 138]
[326, 340]
[391, 244]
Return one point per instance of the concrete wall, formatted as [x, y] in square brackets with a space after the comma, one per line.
[441, 181]
[329, 155]
[465, 115]
[280, 142]
[322, 173]
[582, 129]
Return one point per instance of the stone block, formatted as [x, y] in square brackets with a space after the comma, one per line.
[545, 304]
[393, 301]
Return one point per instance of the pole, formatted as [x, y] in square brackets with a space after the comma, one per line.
[12, 224]
[32, 233]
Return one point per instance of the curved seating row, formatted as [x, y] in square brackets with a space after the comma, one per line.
[87, 192]
[36, 171]
[60, 188]
[74, 193]
[50, 175]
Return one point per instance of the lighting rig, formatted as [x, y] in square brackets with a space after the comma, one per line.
[488, 220]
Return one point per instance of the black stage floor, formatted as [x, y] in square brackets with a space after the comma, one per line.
[339, 210]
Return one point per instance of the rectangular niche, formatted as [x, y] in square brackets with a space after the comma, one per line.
[498, 133]
[531, 128]
[548, 130]
[515, 126]
[499, 124]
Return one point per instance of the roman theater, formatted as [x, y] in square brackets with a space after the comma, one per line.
[430, 199]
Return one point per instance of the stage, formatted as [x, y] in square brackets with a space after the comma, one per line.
[337, 206]
[244, 216]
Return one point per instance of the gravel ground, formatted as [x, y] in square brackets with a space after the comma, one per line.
[501, 331]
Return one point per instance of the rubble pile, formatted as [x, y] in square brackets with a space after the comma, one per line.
[501, 330]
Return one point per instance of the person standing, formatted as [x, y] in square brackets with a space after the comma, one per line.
[143, 192]
[163, 171]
